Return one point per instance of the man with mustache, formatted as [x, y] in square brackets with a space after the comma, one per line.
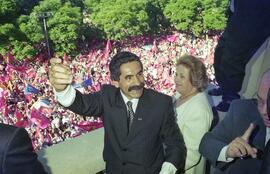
[141, 134]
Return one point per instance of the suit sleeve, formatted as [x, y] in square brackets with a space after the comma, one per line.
[213, 142]
[20, 157]
[87, 104]
[175, 149]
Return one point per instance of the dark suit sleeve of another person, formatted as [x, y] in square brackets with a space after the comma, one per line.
[175, 149]
[19, 157]
[213, 142]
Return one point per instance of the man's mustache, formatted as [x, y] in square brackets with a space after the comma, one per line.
[137, 87]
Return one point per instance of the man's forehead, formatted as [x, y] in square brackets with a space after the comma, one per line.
[130, 68]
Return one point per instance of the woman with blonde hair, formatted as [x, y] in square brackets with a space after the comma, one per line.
[194, 113]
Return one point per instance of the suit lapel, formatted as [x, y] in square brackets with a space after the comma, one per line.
[141, 112]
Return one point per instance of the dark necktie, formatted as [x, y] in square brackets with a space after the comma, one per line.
[130, 114]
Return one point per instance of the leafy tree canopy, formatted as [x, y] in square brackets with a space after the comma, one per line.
[120, 18]
[22, 21]
[196, 16]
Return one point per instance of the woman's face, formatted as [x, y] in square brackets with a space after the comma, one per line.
[182, 80]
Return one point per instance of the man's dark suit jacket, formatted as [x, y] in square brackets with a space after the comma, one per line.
[266, 160]
[141, 151]
[235, 123]
[16, 152]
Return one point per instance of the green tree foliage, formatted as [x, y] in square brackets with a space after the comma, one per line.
[22, 50]
[120, 18]
[6, 30]
[214, 14]
[63, 25]
[64, 29]
[157, 20]
[21, 25]
[197, 16]
[11, 37]
[7, 10]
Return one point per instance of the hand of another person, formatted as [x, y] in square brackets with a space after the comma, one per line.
[59, 74]
[168, 168]
[240, 147]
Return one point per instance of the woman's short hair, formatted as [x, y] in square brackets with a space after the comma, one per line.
[197, 71]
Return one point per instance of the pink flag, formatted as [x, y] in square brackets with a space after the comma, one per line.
[172, 38]
[2, 102]
[39, 134]
[2, 67]
[65, 59]
[9, 69]
[5, 110]
[31, 73]
[18, 114]
[39, 119]
[154, 48]
[108, 49]
[1, 91]
[87, 125]
[22, 123]
[46, 110]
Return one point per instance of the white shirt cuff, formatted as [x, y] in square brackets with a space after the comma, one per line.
[168, 168]
[66, 97]
[222, 155]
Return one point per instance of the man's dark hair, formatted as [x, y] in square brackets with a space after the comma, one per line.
[119, 59]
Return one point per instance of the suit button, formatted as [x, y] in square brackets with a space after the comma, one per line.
[124, 163]
[124, 149]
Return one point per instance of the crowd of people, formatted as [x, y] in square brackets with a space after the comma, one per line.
[27, 100]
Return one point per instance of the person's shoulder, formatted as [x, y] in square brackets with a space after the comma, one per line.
[243, 108]
[157, 96]
[9, 132]
[108, 87]
[199, 99]
[244, 103]
[7, 129]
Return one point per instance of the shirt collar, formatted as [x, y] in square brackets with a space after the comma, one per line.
[134, 101]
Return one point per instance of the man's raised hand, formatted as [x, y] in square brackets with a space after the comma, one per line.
[59, 74]
[240, 147]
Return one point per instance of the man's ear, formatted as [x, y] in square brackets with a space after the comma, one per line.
[115, 83]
